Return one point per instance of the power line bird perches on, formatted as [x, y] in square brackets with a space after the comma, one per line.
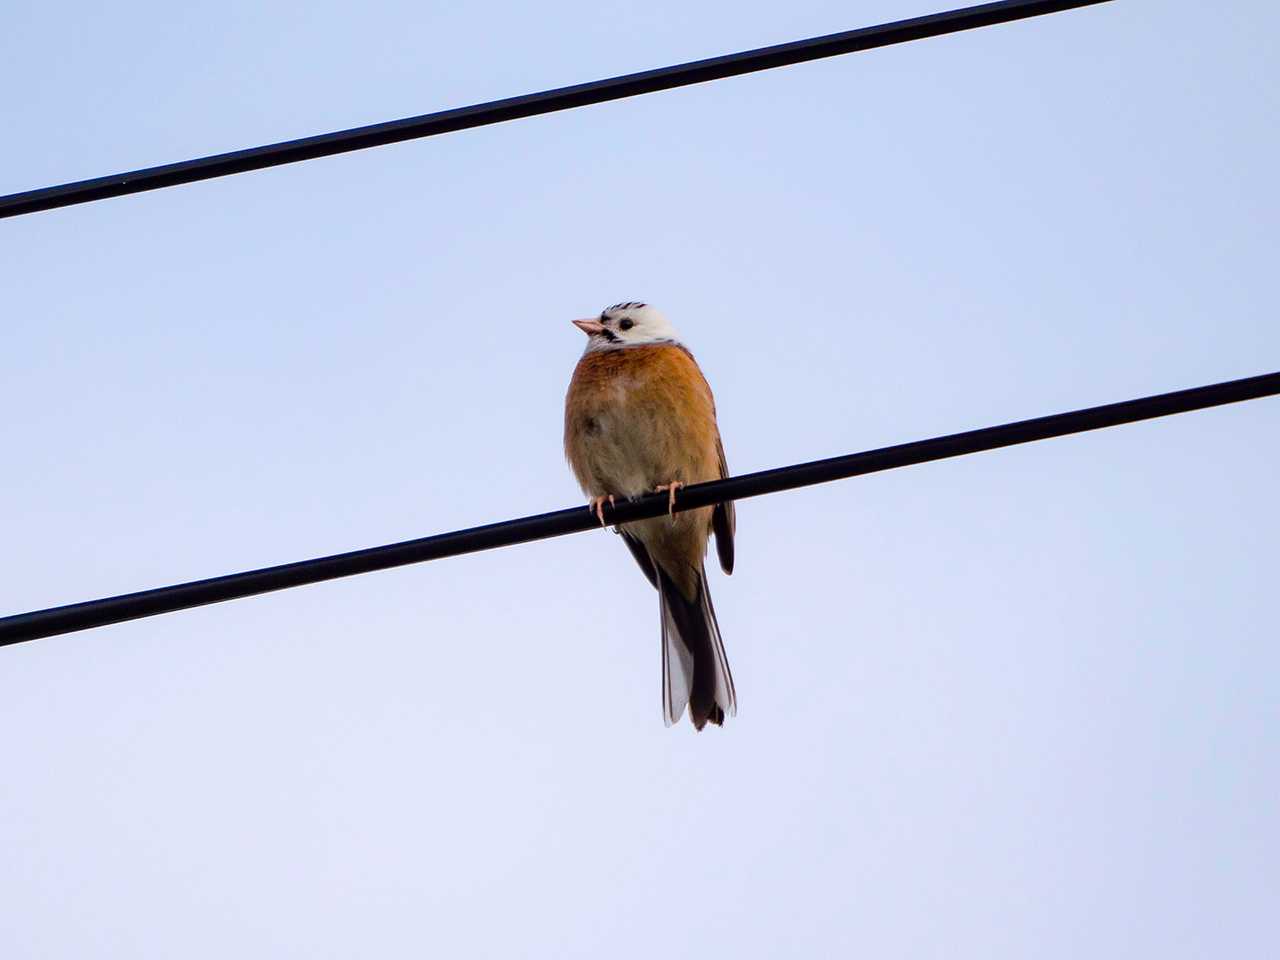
[530, 105]
[133, 606]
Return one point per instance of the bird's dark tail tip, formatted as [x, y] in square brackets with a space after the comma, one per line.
[714, 716]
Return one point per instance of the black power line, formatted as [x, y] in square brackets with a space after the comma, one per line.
[96, 613]
[533, 104]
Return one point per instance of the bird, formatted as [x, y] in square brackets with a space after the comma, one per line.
[640, 418]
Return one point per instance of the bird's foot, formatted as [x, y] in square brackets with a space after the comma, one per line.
[596, 506]
[670, 489]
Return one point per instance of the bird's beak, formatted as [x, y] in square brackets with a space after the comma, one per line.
[589, 327]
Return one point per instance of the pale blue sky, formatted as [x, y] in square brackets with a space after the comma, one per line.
[1020, 704]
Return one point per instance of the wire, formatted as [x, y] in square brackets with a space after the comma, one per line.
[529, 105]
[97, 613]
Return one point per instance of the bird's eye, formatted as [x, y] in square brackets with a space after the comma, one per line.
[626, 324]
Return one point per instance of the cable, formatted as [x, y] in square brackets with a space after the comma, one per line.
[132, 606]
[529, 105]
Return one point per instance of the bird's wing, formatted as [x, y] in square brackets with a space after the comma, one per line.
[724, 519]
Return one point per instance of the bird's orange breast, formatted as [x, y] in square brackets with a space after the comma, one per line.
[637, 417]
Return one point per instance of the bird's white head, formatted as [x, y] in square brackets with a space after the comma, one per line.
[628, 324]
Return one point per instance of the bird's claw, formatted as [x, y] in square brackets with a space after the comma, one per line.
[670, 489]
[596, 506]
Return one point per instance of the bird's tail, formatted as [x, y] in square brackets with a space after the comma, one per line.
[694, 668]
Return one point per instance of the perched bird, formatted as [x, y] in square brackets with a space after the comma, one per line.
[639, 418]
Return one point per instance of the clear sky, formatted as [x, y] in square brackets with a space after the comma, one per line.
[1025, 703]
